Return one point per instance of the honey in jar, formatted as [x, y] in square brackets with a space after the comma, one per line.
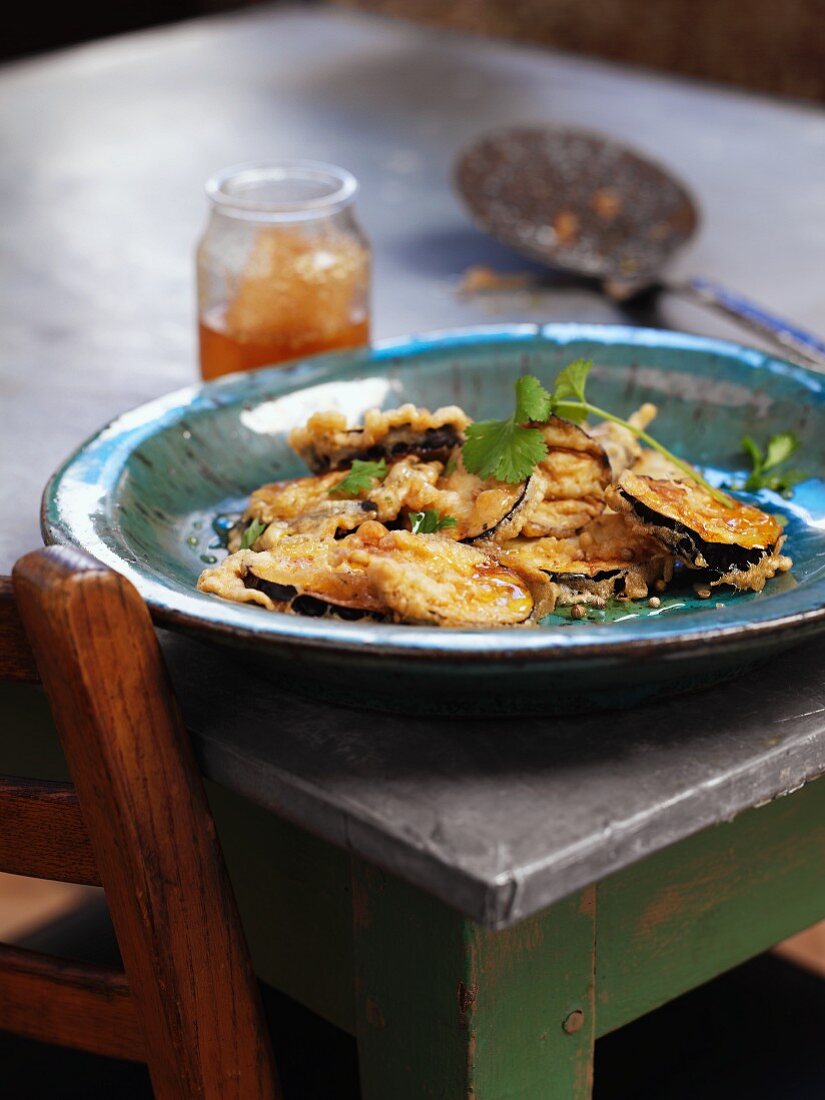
[283, 269]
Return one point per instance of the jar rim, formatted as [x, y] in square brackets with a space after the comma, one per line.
[226, 189]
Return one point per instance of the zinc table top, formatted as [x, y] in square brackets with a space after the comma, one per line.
[500, 817]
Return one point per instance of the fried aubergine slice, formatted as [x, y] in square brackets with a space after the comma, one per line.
[310, 505]
[738, 545]
[326, 442]
[296, 575]
[611, 557]
[484, 510]
[379, 574]
[313, 506]
[480, 509]
[575, 473]
[430, 579]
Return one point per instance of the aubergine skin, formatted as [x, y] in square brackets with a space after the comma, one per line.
[695, 551]
[511, 521]
[611, 557]
[681, 514]
[326, 442]
[288, 596]
[433, 444]
[377, 574]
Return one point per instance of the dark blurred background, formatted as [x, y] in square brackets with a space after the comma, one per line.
[34, 29]
[763, 45]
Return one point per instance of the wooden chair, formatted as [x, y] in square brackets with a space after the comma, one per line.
[136, 821]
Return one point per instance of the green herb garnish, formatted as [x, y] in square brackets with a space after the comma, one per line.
[252, 534]
[778, 450]
[427, 523]
[452, 462]
[509, 451]
[360, 478]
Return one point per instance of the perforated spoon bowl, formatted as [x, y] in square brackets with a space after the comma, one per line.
[587, 204]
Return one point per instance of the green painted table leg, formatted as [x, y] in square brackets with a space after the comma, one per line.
[446, 1009]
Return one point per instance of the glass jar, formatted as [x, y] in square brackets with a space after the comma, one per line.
[283, 266]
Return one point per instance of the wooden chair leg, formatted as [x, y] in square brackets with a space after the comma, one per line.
[446, 1008]
[151, 831]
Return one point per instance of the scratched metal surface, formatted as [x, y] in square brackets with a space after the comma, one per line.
[105, 150]
[500, 819]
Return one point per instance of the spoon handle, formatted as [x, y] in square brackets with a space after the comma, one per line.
[786, 335]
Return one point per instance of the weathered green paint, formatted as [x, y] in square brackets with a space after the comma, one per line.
[534, 1015]
[293, 891]
[690, 912]
[447, 1009]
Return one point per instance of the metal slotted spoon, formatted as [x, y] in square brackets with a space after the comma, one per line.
[584, 203]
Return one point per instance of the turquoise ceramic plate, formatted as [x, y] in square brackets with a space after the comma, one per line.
[143, 495]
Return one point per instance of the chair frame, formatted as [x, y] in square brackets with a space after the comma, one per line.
[136, 822]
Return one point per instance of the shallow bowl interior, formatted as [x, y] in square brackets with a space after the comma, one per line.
[145, 492]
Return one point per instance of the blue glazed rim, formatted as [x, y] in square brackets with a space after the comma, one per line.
[95, 467]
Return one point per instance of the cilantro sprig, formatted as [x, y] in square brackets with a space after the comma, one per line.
[505, 449]
[252, 533]
[429, 522]
[778, 450]
[360, 478]
[510, 449]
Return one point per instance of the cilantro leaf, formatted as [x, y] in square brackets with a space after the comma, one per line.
[452, 462]
[252, 533]
[780, 448]
[780, 483]
[503, 449]
[427, 523]
[572, 380]
[360, 478]
[533, 402]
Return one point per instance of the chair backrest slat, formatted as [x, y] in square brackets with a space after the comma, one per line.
[72, 1004]
[16, 658]
[42, 833]
[150, 828]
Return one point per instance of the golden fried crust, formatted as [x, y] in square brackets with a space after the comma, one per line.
[740, 545]
[482, 509]
[512, 552]
[491, 510]
[575, 473]
[576, 464]
[610, 556]
[406, 577]
[561, 518]
[297, 565]
[692, 506]
[310, 505]
[326, 442]
[428, 579]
